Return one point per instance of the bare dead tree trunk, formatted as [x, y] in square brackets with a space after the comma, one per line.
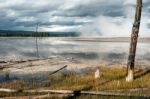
[37, 47]
[133, 43]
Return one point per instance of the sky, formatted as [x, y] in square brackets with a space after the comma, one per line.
[106, 18]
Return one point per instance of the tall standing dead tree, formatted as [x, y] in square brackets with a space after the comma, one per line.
[133, 43]
[37, 47]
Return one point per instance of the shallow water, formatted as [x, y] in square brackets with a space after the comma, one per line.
[16, 48]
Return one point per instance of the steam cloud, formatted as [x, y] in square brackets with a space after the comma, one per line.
[90, 17]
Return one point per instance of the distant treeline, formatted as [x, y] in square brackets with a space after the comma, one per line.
[5, 33]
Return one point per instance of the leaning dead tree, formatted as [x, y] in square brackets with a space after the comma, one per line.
[133, 43]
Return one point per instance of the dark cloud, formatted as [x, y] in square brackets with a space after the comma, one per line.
[84, 16]
[94, 8]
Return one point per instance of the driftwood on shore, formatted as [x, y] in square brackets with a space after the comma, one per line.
[75, 92]
[58, 70]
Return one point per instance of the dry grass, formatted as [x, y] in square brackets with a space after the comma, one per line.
[112, 79]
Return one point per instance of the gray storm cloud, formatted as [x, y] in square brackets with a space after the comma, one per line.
[90, 17]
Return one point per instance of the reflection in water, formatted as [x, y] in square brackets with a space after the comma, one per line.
[25, 48]
[82, 55]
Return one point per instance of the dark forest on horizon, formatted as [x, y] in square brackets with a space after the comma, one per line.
[8, 33]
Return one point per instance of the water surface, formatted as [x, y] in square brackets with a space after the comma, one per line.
[16, 48]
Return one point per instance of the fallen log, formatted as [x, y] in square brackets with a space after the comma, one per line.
[115, 94]
[142, 73]
[8, 90]
[58, 70]
[76, 92]
[59, 96]
[130, 89]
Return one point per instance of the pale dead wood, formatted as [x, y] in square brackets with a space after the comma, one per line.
[130, 89]
[7, 90]
[77, 92]
[115, 94]
[59, 96]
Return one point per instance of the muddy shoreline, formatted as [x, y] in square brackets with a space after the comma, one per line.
[40, 68]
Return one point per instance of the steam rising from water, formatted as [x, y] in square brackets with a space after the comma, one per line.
[117, 25]
[25, 48]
